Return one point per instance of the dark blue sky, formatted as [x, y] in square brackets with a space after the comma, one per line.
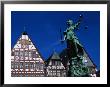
[43, 28]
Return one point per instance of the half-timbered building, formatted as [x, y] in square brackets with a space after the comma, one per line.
[26, 60]
[54, 66]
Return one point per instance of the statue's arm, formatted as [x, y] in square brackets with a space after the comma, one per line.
[76, 25]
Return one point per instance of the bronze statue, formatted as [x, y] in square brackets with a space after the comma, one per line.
[74, 50]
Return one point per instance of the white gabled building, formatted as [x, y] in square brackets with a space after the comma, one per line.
[26, 61]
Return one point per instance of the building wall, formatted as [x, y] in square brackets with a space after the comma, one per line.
[25, 59]
[55, 69]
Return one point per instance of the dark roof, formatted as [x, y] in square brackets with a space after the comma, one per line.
[90, 62]
[54, 56]
[24, 33]
[65, 59]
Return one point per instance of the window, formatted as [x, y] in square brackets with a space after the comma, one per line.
[16, 53]
[30, 54]
[31, 75]
[21, 65]
[58, 74]
[26, 53]
[21, 53]
[12, 53]
[12, 65]
[64, 73]
[20, 75]
[16, 65]
[37, 65]
[54, 73]
[31, 65]
[12, 75]
[26, 66]
[41, 67]
[34, 54]
[57, 63]
[50, 73]
[53, 62]
[26, 75]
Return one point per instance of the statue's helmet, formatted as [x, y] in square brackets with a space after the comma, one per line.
[69, 22]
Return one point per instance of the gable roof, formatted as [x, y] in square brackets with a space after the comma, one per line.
[90, 63]
[25, 40]
[24, 33]
[54, 56]
[65, 59]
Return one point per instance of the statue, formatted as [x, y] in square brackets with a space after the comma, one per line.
[74, 50]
